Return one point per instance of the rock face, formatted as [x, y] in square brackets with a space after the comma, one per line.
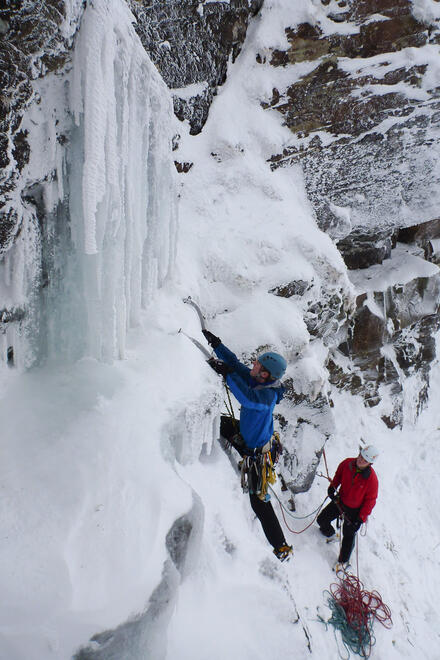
[379, 160]
[34, 41]
[364, 119]
[191, 43]
[391, 335]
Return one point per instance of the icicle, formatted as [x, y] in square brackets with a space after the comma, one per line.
[107, 193]
[125, 221]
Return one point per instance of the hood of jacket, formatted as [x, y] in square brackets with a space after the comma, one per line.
[273, 385]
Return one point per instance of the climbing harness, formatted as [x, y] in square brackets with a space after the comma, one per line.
[258, 469]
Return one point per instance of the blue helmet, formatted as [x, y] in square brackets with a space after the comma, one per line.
[274, 363]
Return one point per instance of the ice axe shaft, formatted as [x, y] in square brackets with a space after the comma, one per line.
[201, 348]
[191, 302]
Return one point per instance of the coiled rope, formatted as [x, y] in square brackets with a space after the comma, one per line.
[353, 612]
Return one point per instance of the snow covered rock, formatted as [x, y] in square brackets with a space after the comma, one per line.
[365, 116]
[392, 332]
[35, 39]
[191, 44]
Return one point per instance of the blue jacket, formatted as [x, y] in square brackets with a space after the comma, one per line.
[257, 400]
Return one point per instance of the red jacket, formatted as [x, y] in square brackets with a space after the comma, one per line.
[358, 487]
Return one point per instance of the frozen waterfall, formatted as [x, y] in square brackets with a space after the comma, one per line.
[121, 186]
[100, 183]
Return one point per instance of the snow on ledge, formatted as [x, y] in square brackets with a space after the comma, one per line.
[188, 92]
[401, 268]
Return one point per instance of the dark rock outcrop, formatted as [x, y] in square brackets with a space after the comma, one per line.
[391, 336]
[361, 249]
[33, 43]
[191, 43]
[380, 163]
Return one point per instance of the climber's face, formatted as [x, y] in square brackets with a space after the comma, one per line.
[259, 372]
[361, 463]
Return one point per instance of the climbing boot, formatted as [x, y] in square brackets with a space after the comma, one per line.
[333, 537]
[283, 553]
[341, 566]
[327, 531]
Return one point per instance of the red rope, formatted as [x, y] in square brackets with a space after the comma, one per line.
[292, 531]
[361, 607]
[325, 463]
[285, 521]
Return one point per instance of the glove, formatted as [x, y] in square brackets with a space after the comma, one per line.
[332, 494]
[211, 339]
[356, 524]
[220, 367]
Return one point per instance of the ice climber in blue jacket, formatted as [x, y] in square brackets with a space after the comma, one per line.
[258, 390]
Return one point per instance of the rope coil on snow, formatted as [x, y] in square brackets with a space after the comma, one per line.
[354, 611]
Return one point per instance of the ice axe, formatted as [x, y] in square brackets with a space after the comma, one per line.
[190, 301]
[209, 358]
[201, 348]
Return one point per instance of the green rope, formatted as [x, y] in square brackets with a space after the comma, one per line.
[358, 641]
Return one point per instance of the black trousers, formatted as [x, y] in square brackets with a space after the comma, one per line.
[263, 510]
[330, 513]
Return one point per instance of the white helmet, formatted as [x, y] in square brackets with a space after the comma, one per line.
[369, 453]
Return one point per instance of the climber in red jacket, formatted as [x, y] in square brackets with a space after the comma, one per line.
[355, 500]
